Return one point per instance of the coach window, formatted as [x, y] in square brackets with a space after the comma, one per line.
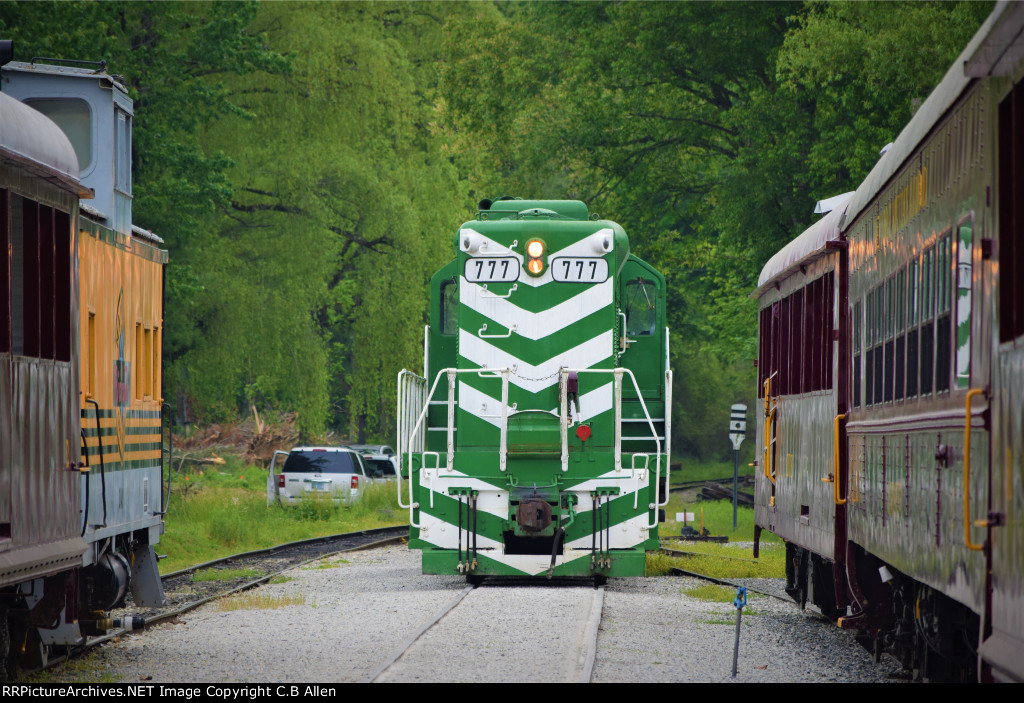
[869, 354]
[889, 356]
[913, 306]
[62, 284]
[139, 362]
[812, 334]
[945, 271]
[5, 275]
[927, 331]
[641, 313]
[449, 307]
[1011, 215]
[964, 278]
[858, 337]
[797, 352]
[901, 310]
[17, 275]
[879, 356]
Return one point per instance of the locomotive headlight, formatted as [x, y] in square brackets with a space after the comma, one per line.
[535, 257]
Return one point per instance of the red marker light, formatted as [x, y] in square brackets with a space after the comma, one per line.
[583, 432]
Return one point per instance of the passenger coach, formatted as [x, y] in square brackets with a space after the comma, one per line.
[891, 365]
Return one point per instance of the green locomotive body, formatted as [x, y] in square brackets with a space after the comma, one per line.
[535, 442]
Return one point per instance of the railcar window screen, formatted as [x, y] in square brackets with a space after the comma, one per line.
[1011, 215]
[40, 288]
[889, 311]
[62, 238]
[901, 305]
[927, 340]
[5, 274]
[913, 313]
[858, 336]
[795, 340]
[943, 304]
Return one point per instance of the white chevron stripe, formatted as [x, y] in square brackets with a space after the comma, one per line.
[581, 247]
[535, 325]
[483, 406]
[582, 356]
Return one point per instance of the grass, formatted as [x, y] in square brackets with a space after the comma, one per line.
[697, 470]
[257, 600]
[713, 593]
[728, 560]
[226, 574]
[223, 510]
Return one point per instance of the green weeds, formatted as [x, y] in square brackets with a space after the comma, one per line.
[226, 574]
[222, 510]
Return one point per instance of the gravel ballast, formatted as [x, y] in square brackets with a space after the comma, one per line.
[365, 605]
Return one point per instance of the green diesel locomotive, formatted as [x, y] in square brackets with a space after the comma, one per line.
[537, 441]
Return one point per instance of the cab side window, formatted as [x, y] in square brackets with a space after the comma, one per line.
[449, 307]
[639, 307]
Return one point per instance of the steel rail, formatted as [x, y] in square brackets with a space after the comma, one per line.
[390, 536]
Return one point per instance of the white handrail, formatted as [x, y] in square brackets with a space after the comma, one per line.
[618, 371]
[481, 335]
[487, 294]
[451, 373]
[563, 416]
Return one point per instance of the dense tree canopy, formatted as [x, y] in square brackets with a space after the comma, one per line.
[308, 163]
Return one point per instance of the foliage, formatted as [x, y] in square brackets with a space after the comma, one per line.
[707, 129]
[307, 164]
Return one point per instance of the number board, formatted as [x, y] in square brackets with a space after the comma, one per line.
[566, 269]
[492, 269]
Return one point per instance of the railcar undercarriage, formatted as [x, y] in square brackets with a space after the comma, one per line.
[933, 636]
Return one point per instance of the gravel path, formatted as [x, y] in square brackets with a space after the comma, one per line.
[349, 617]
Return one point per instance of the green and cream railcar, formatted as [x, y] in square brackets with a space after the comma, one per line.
[535, 442]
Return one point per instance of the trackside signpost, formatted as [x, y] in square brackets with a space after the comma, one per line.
[737, 431]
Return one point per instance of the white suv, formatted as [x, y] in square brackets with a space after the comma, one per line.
[330, 471]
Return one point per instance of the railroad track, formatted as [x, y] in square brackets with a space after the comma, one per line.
[566, 606]
[239, 572]
[688, 485]
[676, 571]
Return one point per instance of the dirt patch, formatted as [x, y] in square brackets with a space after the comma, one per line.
[254, 440]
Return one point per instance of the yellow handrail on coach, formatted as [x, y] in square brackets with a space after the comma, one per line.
[769, 417]
[835, 466]
[967, 472]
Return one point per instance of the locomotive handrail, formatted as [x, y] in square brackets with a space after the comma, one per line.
[835, 467]
[408, 384]
[617, 373]
[451, 373]
[967, 472]
[488, 294]
[481, 335]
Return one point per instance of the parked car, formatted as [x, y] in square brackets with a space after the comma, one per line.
[339, 472]
[380, 459]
